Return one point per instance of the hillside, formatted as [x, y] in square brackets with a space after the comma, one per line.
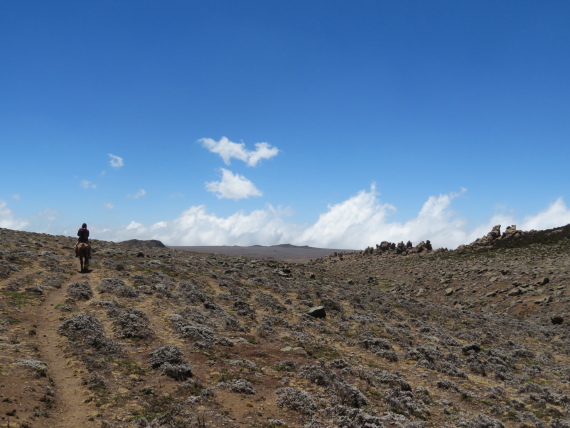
[524, 274]
[159, 337]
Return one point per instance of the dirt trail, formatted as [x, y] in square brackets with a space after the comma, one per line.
[70, 410]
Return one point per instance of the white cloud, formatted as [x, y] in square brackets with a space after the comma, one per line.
[109, 205]
[86, 184]
[159, 225]
[8, 220]
[557, 214]
[262, 151]
[232, 186]
[116, 161]
[16, 197]
[137, 195]
[133, 225]
[228, 150]
[360, 221]
[195, 226]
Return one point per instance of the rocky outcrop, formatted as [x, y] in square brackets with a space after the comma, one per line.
[491, 238]
[512, 232]
[494, 236]
[390, 248]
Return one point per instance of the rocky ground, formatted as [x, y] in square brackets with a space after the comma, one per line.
[395, 336]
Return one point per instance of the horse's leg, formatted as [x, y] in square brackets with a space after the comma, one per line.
[81, 261]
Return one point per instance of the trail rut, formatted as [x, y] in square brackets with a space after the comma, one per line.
[70, 409]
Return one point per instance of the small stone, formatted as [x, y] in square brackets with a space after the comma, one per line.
[317, 312]
[449, 291]
[515, 292]
[556, 319]
[297, 350]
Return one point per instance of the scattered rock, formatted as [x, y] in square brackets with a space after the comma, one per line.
[317, 312]
[515, 292]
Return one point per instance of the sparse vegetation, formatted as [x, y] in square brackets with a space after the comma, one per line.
[178, 339]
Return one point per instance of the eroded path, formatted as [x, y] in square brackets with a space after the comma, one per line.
[70, 406]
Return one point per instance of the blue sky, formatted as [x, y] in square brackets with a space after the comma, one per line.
[326, 123]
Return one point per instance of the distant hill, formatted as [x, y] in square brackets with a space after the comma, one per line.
[277, 252]
[147, 243]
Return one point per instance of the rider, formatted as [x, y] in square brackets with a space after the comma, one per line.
[83, 234]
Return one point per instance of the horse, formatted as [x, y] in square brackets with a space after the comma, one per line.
[84, 254]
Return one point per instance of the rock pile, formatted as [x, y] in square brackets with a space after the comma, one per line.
[390, 248]
[511, 232]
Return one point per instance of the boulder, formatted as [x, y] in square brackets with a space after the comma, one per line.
[495, 232]
[512, 232]
[401, 248]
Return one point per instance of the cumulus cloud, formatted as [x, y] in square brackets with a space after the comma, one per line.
[556, 214]
[109, 205]
[232, 186]
[115, 161]
[8, 220]
[360, 221]
[137, 195]
[355, 223]
[16, 196]
[228, 150]
[86, 184]
[133, 225]
[195, 226]
[363, 220]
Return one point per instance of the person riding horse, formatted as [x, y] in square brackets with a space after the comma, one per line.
[83, 234]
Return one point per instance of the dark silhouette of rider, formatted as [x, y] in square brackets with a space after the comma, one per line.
[83, 236]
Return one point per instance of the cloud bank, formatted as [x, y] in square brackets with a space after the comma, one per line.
[228, 150]
[360, 221]
[232, 186]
